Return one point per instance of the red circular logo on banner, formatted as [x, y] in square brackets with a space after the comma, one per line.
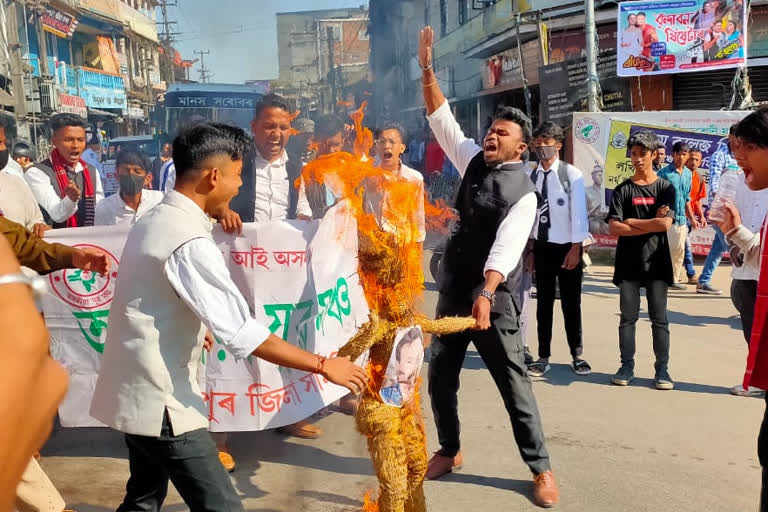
[84, 289]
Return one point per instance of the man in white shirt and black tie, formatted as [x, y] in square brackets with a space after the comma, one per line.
[174, 284]
[556, 246]
[480, 275]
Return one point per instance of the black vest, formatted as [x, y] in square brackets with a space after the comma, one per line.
[47, 167]
[244, 203]
[485, 197]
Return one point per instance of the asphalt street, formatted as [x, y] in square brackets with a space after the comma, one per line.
[613, 449]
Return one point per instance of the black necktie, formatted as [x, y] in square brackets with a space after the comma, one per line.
[544, 220]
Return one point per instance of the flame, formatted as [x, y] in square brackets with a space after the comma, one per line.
[369, 505]
[384, 204]
[364, 136]
[293, 131]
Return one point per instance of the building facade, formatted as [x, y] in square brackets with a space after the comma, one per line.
[95, 58]
[323, 57]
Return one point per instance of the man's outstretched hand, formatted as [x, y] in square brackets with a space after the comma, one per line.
[92, 260]
[426, 40]
[343, 372]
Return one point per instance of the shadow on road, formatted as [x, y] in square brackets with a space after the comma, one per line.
[521, 487]
[252, 448]
[562, 375]
[81, 507]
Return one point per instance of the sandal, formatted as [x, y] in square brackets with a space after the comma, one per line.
[581, 367]
[538, 369]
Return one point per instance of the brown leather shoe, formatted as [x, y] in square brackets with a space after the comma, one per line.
[301, 429]
[545, 493]
[440, 465]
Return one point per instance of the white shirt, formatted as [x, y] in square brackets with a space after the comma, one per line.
[59, 209]
[13, 168]
[272, 189]
[199, 274]
[568, 216]
[753, 207]
[112, 210]
[167, 176]
[512, 234]
[17, 202]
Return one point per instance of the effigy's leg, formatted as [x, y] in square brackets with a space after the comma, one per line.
[416, 452]
[381, 424]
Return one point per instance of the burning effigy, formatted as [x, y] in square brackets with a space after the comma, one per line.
[390, 269]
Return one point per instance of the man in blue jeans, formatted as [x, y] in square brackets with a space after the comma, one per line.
[722, 161]
[640, 214]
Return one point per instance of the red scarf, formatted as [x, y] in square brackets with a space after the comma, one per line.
[60, 168]
[757, 362]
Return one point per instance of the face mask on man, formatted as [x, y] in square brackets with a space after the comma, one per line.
[546, 152]
[4, 156]
[131, 185]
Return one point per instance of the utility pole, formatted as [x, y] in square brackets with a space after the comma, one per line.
[205, 74]
[332, 69]
[166, 38]
[590, 35]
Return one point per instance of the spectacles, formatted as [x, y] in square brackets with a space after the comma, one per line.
[391, 142]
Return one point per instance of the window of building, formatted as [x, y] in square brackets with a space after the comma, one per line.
[462, 12]
[443, 18]
[363, 34]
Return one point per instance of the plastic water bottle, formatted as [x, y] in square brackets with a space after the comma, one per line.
[726, 193]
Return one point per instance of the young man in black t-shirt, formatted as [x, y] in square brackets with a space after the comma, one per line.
[641, 211]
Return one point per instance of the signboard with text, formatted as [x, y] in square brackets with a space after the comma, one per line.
[679, 37]
[564, 88]
[300, 280]
[71, 104]
[58, 23]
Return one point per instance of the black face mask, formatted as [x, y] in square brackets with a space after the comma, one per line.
[131, 185]
[4, 156]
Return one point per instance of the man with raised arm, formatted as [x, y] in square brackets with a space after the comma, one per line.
[481, 269]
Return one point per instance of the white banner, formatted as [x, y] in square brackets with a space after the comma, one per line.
[300, 279]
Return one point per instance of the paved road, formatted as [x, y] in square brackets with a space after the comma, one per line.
[613, 449]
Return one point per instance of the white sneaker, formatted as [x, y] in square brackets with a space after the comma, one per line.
[739, 390]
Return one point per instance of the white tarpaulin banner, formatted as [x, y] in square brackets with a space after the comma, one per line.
[300, 280]
[599, 148]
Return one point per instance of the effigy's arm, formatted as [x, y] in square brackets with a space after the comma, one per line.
[445, 325]
[366, 336]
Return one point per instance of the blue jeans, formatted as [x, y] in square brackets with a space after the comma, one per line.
[719, 246]
[690, 271]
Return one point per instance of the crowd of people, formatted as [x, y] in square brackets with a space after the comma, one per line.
[517, 223]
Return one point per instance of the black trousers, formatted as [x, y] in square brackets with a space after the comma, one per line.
[762, 455]
[629, 303]
[501, 348]
[744, 296]
[548, 263]
[190, 461]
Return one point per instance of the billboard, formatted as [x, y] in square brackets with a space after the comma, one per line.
[678, 37]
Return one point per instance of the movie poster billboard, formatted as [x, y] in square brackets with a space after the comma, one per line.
[678, 37]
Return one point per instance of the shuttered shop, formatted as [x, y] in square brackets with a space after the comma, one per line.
[713, 90]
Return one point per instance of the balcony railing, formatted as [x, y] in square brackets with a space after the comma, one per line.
[100, 89]
[87, 77]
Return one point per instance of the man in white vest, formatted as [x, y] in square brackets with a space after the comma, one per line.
[173, 285]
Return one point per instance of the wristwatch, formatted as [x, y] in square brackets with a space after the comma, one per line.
[488, 295]
[35, 283]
